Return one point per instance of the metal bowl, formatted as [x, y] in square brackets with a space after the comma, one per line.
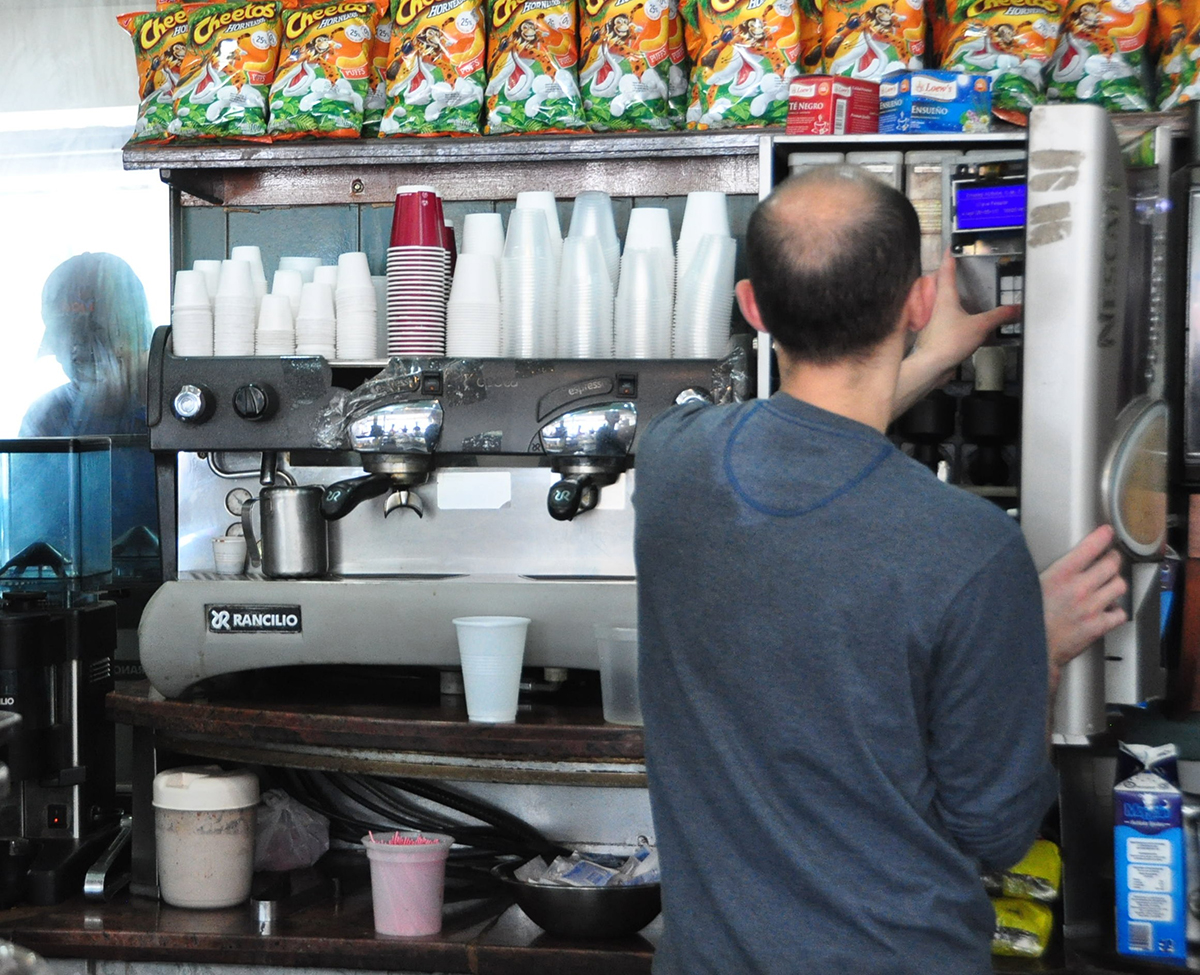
[584, 912]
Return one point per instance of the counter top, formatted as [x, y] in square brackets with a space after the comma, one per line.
[487, 937]
[549, 742]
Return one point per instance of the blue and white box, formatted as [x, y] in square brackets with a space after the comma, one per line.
[935, 101]
[1148, 854]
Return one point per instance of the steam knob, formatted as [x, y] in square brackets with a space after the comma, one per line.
[572, 496]
[193, 404]
[254, 402]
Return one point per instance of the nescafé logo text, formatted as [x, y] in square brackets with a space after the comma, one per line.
[205, 27]
[299, 22]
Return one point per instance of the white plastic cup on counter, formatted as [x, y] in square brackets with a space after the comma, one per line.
[204, 820]
[229, 554]
[618, 646]
[491, 650]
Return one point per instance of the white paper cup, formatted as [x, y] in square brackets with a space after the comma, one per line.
[236, 280]
[491, 649]
[326, 274]
[483, 233]
[618, 646]
[316, 301]
[212, 274]
[229, 554]
[305, 265]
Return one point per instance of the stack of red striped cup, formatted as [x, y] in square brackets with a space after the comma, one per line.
[417, 271]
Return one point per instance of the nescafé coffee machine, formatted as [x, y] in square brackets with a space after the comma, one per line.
[57, 640]
[447, 487]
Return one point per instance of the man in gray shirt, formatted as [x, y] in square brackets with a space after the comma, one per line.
[844, 670]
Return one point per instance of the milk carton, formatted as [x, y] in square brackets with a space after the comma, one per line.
[935, 101]
[1148, 854]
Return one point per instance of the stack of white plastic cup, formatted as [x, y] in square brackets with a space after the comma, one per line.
[483, 233]
[473, 312]
[357, 319]
[650, 229]
[585, 301]
[235, 310]
[704, 307]
[276, 333]
[191, 315]
[316, 326]
[592, 216]
[543, 201]
[642, 314]
[305, 265]
[252, 254]
[528, 325]
[379, 283]
[706, 213]
[288, 282]
[212, 275]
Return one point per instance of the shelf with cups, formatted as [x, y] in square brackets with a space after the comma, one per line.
[547, 744]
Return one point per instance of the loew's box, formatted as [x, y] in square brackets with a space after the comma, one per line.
[1148, 854]
[935, 101]
[821, 104]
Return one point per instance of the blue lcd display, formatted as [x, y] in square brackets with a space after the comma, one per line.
[999, 206]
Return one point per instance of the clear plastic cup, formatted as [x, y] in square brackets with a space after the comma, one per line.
[704, 308]
[483, 233]
[585, 301]
[618, 646]
[592, 216]
[544, 200]
[491, 650]
[642, 313]
[649, 227]
[408, 882]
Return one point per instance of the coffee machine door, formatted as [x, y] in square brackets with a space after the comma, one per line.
[1134, 482]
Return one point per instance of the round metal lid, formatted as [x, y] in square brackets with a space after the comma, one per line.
[1133, 485]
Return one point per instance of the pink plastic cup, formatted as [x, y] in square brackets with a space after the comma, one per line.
[408, 881]
[417, 219]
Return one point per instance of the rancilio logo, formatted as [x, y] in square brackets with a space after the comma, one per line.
[244, 618]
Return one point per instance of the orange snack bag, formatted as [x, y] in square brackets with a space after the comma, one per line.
[160, 46]
[871, 38]
[324, 73]
[232, 52]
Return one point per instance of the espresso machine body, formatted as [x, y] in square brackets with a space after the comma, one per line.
[452, 487]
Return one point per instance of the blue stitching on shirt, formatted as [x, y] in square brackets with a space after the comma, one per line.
[862, 475]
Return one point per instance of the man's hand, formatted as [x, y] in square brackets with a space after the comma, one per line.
[947, 340]
[1078, 592]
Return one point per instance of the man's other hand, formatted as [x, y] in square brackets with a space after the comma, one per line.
[1078, 593]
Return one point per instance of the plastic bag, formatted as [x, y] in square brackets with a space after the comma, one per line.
[1008, 43]
[230, 64]
[1023, 928]
[1100, 55]
[1037, 877]
[435, 72]
[324, 72]
[288, 835]
[744, 57]
[159, 46]
[625, 62]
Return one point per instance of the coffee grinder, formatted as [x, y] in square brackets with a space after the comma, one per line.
[57, 641]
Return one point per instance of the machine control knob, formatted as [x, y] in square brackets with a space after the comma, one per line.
[254, 401]
[193, 403]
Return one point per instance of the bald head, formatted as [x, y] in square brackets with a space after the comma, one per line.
[833, 254]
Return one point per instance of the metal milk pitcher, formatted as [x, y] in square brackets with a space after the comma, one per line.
[294, 542]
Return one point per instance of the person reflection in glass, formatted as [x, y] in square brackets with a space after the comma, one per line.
[98, 328]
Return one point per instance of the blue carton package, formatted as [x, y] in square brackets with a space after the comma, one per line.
[935, 101]
[1148, 854]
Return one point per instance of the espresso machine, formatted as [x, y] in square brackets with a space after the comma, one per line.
[57, 641]
[443, 487]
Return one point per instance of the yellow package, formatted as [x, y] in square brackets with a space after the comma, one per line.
[532, 63]
[159, 46]
[744, 57]
[625, 61]
[1037, 877]
[225, 78]
[1023, 928]
[435, 72]
[868, 39]
[322, 81]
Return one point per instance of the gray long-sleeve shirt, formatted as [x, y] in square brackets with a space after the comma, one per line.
[843, 676]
